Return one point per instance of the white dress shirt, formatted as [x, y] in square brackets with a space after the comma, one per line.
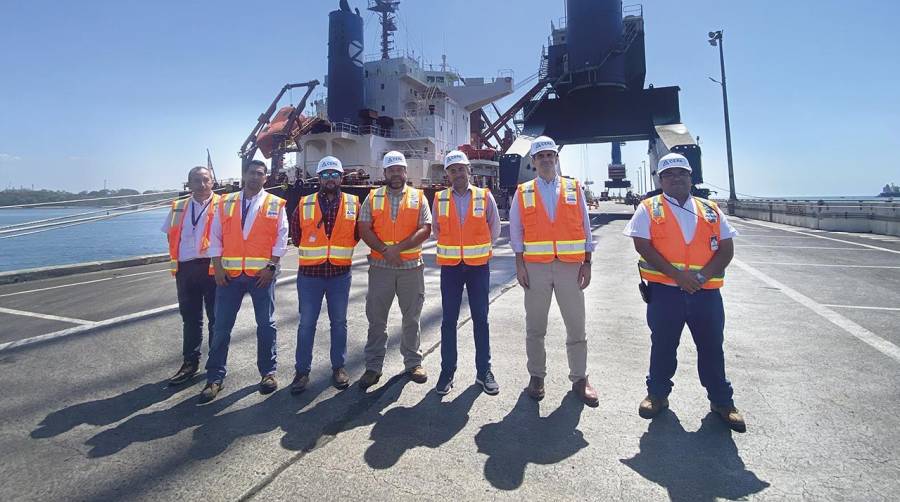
[215, 234]
[191, 235]
[639, 226]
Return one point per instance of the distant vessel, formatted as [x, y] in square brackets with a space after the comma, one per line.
[890, 190]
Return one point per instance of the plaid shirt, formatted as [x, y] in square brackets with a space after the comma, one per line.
[329, 215]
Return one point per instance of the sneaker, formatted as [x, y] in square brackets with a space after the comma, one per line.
[301, 380]
[188, 369]
[340, 378]
[210, 392]
[488, 383]
[444, 384]
[418, 374]
[369, 379]
[652, 406]
[731, 416]
[268, 384]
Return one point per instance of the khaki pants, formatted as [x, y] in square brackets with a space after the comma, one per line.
[409, 287]
[561, 279]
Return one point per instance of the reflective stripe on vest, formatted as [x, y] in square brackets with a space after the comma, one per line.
[670, 243]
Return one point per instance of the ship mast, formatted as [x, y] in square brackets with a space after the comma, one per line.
[387, 10]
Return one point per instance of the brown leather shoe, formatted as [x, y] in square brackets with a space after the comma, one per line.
[210, 392]
[340, 378]
[268, 384]
[368, 379]
[583, 390]
[535, 388]
[418, 374]
[188, 369]
[301, 380]
[651, 406]
[731, 416]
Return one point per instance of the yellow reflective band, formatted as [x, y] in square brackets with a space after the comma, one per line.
[378, 199]
[232, 263]
[444, 203]
[340, 252]
[478, 203]
[528, 194]
[309, 207]
[349, 207]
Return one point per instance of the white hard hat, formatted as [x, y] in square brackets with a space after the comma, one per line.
[542, 143]
[393, 158]
[330, 163]
[672, 160]
[455, 157]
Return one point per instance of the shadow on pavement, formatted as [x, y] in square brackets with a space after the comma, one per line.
[694, 466]
[430, 423]
[108, 411]
[523, 438]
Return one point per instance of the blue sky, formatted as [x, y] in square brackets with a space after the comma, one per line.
[133, 92]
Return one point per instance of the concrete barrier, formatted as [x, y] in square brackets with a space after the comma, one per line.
[33, 274]
[865, 216]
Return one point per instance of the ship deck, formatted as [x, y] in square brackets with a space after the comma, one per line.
[811, 349]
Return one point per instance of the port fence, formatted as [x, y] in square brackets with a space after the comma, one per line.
[867, 216]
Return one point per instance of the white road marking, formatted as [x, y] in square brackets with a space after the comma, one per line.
[81, 283]
[892, 309]
[820, 265]
[43, 316]
[880, 344]
[804, 247]
[826, 238]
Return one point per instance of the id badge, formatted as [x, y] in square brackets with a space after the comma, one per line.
[312, 238]
[714, 243]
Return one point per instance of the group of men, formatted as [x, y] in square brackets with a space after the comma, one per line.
[234, 243]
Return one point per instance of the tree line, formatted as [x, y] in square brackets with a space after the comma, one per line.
[16, 196]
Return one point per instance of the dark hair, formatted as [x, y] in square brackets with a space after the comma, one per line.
[256, 162]
[195, 170]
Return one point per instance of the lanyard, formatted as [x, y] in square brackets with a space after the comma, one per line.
[196, 219]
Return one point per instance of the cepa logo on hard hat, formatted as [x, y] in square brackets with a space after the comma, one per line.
[455, 157]
[331, 163]
[671, 161]
[542, 143]
[393, 158]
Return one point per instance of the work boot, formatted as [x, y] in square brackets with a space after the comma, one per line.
[417, 374]
[444, 384]
[488, 383]
[586, 393]
[301, 380]
[188, 369]
[368, 379]
[268, 384]
[535, 388]
[651, 406]
[731, 416]
[340, 378]
[210, 392]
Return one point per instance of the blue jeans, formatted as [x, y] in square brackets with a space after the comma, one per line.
[228, 302]
[476, 280]
[668, 311]
[311, 291]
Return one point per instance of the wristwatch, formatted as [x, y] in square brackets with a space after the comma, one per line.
[271, 266]
[700, 278]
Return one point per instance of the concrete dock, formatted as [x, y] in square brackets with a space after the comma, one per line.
[811, 348]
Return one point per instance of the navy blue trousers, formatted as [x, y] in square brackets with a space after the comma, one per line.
[476, 281]
[669, 310]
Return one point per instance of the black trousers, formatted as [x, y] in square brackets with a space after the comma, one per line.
[196, 290]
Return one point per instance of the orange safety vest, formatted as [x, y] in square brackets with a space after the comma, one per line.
[666, 237]
[251, 255]
[470, 241]
[562, 238]
[407, 222]
[315, 245]
[179, 213]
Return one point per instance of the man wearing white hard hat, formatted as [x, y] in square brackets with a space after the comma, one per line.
[550, 232]
[466, 224]
[394, 221]
[325, 234]
[685, 244]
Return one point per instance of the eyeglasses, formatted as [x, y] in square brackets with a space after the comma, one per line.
[331, 175]
[674, 174]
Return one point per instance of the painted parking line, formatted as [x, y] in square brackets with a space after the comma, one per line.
[878, 343]
[38, 290]
[26, 313]
[824, 237]
[862, 307]
[820, 265]
[806, 247]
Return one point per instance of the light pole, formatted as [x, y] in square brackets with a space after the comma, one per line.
[715, 38]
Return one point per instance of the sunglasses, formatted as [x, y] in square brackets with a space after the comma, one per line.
[330, 176]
